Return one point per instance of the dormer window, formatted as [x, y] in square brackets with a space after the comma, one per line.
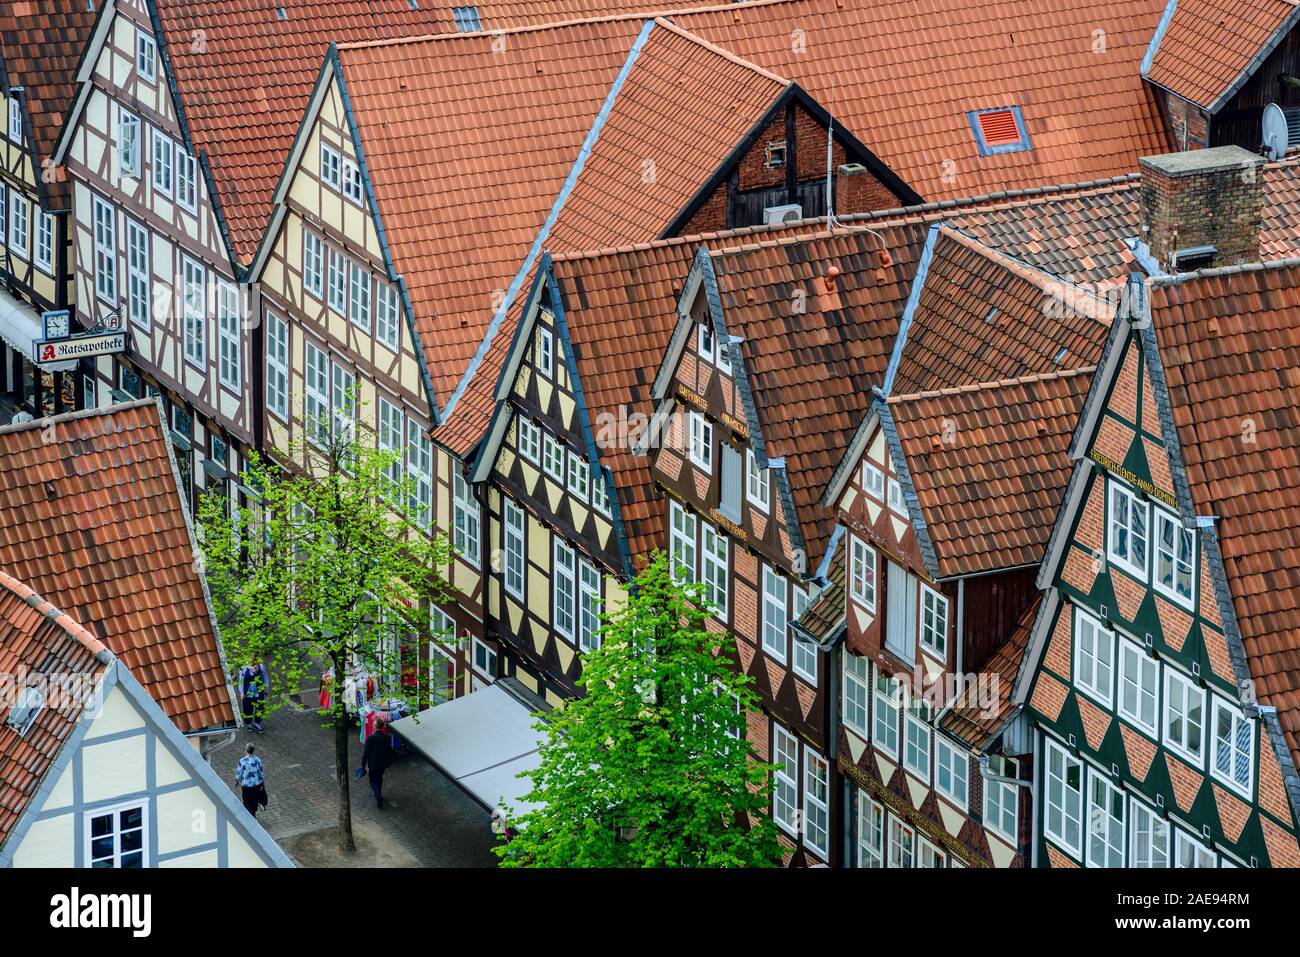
[1000, 130]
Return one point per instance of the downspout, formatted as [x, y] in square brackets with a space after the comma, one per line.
[960, 637]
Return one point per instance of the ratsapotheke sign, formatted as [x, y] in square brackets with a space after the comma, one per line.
[81, 347]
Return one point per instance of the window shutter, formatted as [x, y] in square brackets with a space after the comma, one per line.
[731, 487]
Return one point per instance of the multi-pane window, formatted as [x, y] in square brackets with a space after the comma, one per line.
[194, 285]
[146, 57]
[1174, 558]
[579, 476]
[785, 793]
[553, 462]
[389, 439]
[588, 606]
[564, 584]
[338, 282]
[466, 520]
[386, 328]
[896, 500]
[512, 534]
[600, 493]
[545, 352]
[19, 223]
[344, 403]
[485, 660]
[951, 771]
[871, 833]
[138, 305]
[316, 400]
[128, 144]
[862, 573]
[1234, 747]
[352, 182]
[934, 622]
[757, 481]
[857, 682]
[1094, 655]
[44, 253]
[900, 620]
[774, 617]
[162, 163]
[1149, 838]
[816, 802]
[916, 742]
[804, 653]
[681, 542]
[331, 165]
[1126, 541]
[1000, 808]
[359, 311]
[105, 252]
[704, 341]
[1139, 686]
[277, 366]
[187, 180]
[116, 837]
[466, 19]
[530, 439]
[701, 441]
[1184, 716]
[228, 336]
[1105, 823]
[1063, 815]
[15, 119]
[313, 264]
[419, 469]
[873, 480]
[884, 724]
[714, 569]
[902, 844]
[1189, 852]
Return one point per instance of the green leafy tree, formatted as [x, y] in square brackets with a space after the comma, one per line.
[330, 566]
[651, 767]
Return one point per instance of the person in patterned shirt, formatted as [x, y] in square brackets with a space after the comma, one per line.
[251, 777]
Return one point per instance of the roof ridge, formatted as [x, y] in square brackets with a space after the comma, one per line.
[73, 416]
[56, 616]
[1272, 265]
[993, 384]
[667, 24]
[413, 40]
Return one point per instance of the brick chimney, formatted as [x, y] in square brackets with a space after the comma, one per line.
[858, 191]
[1202, 208]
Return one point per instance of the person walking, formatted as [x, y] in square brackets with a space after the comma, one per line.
[376, 756]
[253, 682]
[251, 777]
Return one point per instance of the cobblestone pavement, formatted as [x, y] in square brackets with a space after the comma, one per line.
[427, 821]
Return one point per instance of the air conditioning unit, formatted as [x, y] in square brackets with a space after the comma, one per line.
[776, 215]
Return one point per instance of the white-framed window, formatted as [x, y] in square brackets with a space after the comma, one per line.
[916, 742]
[359, 299]
[757, 482]
[229, 364]
[1105, 822]
[802, 653]
[352, 188]
[579, 476]
[681, 542]
[138, 300]
[146, 57]
[1063, 813]
[15, 119]
[1126, 538]
[331, 167]
[161, 163]
[338, 282]
[871, 833]
[466, 522]
[529, 440]
[194, 284]
[816, 802]
[1189, 852]
[704, 341]
[105, 252]
[873, 481]
[545, 352]
[902, 844]
[900, 613]
[1184, 712]
[934, 623]
[862, 573]
[600, 493]
[1148, 838]
[929, 856]
[44, 252]
[392, 428]
[701, 442]
[774, 619]
[1233, 759]
[512, 544]
[713, 568]
[313, 264]
[1175, 559]
[277, 367]
[118, 836]
[485, 660]
[553, 463]
[344, 403]
[128, 144]
[20, 223]
[187, 180]
[1139, 687]
[952, 772]
[387, 330]
[1094, 656]
[589, 606]
[1000, 805]
[317, 399]
[884, 723]
[897, 502]
[857, 683]
[419, 465]
[785, 793]
[564, 585]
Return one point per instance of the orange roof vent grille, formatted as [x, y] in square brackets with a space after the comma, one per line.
[998, 127]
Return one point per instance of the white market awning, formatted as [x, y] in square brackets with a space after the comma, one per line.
[20, 326]
[481, 741]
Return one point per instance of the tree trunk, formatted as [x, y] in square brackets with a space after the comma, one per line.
[342, 768]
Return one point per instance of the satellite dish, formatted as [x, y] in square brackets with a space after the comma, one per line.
[1281, 129]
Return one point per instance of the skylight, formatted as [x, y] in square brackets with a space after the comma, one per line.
[467, 20]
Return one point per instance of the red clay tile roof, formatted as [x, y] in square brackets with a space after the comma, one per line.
[90, 516]
[40, 45]
[989, 464]
[1209, 44]
[983, 316]
[976, 719]
[36, 638]
[1280, 229]
[1230, 344]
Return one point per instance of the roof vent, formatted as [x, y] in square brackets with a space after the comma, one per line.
[281, 14]
[830, 278]
[25, 710]
[776, 215]
[1000, 130]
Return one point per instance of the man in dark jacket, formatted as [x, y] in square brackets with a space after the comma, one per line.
[376, 756]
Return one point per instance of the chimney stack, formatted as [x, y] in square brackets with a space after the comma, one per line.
[1202, 208]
